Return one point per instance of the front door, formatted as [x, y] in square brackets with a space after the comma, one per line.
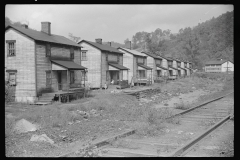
[59, 77]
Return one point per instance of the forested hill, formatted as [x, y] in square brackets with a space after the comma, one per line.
[212, 39]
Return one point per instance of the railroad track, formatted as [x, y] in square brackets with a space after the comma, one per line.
[195, 124]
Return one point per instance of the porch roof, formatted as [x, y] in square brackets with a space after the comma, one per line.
[159, 66]
[143, 66]
[118, 66]
[173, 68]
[182, 68]
[69, 65]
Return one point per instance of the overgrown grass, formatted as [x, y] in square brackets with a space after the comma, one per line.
[182, 106]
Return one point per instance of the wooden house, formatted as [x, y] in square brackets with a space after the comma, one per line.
[104, 63]
[158, 65]
[38, 61]
[219, 66]
[137, 64]
[180, 67]
[187, 69]
[172, 67]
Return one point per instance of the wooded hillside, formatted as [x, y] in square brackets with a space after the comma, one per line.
[209, 40]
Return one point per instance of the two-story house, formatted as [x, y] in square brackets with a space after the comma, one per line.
[39, 60]
[104, 63]
[172, 67]
[137, 64]
[158, 65]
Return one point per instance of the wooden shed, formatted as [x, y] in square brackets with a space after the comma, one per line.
[137, 64]
[104, 63]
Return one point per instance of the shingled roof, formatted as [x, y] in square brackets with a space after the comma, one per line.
[216, 62]
[151, 55]
[133, 52]
[41, 36]
[102, 47]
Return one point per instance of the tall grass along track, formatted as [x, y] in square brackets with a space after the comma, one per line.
[217, 115]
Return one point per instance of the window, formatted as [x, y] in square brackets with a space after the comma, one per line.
[48, 50]
[141, 74]
[12, 78]
[71, 53]
[179, 64]
[84, 56]
[140, 60]
[72, 77]
[11, 48]
[159, 73]
[48, 79]
[158, 61]
[106, 57]
[169, 63]
[118, 58]
[84, 75]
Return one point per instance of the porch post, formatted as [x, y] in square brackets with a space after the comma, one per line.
[67, 78]
[84, 77]
[127, 76]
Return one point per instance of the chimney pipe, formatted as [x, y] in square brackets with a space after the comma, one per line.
[46, 27]
[25, 26]
[130, 45]
[98, 40]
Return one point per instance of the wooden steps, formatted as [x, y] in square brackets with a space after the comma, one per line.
[45, 99]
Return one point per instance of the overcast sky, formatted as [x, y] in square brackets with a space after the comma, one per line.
[113, 22]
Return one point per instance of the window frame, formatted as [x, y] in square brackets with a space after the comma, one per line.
[118, 58]
[12, 49]
[15, 76]
[84, 76]
[71, 53]
[85, 57]
[106, 56]
[72, 77]
[48, 50]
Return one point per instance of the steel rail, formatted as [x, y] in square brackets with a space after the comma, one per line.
[198, 106]
[182, 149]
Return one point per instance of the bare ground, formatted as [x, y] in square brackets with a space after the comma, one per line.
[114, 112]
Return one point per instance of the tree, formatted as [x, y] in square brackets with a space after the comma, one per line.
[74, 38]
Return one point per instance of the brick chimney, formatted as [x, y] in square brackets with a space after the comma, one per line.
[98, 40]
[25, 26]
[129, 45]
[46, 27]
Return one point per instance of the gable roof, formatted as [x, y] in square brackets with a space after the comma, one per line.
[151, 55]
[102, 47]
[136, 53]
[41, 36]
[216, 62]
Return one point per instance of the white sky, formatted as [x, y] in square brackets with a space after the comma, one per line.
[113, 22]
